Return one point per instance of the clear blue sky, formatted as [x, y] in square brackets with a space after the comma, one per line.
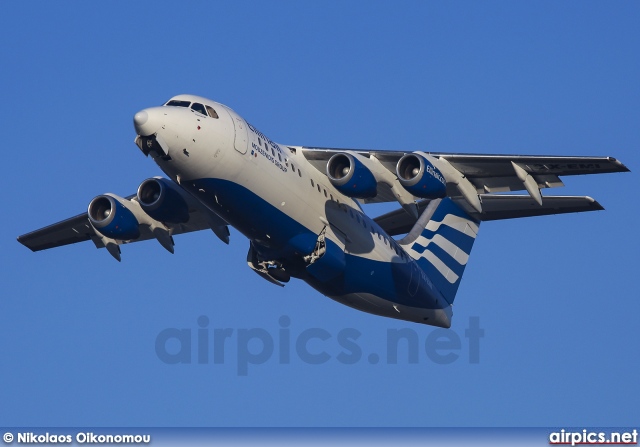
[556, 296]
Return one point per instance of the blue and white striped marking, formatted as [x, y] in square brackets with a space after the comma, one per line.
[442, 249]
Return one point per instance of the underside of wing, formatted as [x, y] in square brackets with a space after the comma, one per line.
[401, 176]
[79, 229]
[489, 173]
[69, 231]
[499, 173]
[113, 220]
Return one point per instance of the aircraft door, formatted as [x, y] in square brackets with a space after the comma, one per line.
[240, 127]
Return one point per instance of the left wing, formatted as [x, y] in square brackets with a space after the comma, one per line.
[469, 176]
[488, 173]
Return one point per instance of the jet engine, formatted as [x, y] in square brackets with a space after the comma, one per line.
[350, 176]
[418, 176]
[160, 200]
[113, 219]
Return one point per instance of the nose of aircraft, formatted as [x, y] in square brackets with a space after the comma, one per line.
[140, 118]
[147, 121]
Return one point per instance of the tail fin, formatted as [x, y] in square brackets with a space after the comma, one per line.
[441, 242]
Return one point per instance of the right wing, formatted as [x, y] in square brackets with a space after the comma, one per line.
[79, 228]
[69, 231]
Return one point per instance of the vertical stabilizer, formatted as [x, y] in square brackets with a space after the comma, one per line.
[441, 242]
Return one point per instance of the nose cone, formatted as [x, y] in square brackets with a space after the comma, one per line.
[140, 118]
[147, 122]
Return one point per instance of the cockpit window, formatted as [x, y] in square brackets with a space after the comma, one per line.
[178, 103]
[198, 108]
[212, 113]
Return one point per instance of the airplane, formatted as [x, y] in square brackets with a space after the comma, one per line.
[301, 207]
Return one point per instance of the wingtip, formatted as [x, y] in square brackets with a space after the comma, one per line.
[595, 205]
[21, 240]
[620, 165]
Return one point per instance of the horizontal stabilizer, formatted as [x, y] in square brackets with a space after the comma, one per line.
[497, 207]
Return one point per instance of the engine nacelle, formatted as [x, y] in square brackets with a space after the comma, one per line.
[418, 176]
[113, 219]
[350, 176]
[159, 198]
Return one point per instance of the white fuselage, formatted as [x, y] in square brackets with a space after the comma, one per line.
[278, 200]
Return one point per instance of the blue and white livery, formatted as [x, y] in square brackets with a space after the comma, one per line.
[300, 207]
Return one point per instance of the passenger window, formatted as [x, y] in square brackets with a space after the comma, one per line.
[325, 192]
[299, 173]
[331, 195]
[212, 113]
[259, 142]
[198, 108]
[319, 188]
[312, 185]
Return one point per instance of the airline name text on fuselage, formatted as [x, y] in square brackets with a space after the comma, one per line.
[268, 156]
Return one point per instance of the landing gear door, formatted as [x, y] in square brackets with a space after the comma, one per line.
[240, 127]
